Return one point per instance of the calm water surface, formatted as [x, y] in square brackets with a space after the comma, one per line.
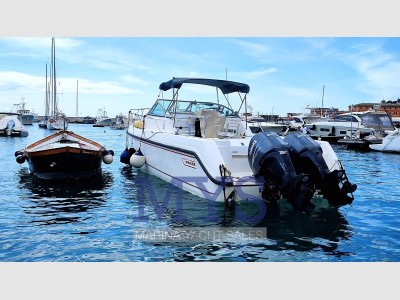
[97, 221]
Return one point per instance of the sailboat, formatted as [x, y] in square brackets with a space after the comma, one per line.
[43, 123]
[77, 119]
[64, 155]
[57, 120]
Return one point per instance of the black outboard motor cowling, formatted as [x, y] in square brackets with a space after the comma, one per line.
[269, 157]
[306, 155]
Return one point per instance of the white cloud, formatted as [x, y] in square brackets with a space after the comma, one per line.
[379, 69]
[252, 75]
[133, 80]
[256, 50]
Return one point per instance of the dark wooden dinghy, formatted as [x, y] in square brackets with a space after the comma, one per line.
[65, 155]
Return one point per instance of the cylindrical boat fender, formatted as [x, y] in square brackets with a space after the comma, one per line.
[137, 160]
[108, 157]
[126, 155]
[17, 153]
[20, 159]
[138, 124]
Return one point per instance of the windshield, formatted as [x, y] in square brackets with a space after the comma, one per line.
[345, 118]
[376, 120]
[159, 108]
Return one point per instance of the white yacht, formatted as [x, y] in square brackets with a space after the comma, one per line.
[390, 143]
[204, 147]
[348, 125]
[259, 124]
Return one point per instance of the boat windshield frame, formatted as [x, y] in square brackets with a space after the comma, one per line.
[168, 108]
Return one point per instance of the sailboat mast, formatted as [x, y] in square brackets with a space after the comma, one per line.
[54, 76]
[76, 112]
[323, 92]
[51, 86]
[46, 105]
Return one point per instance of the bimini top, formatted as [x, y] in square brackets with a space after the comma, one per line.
[225, 86]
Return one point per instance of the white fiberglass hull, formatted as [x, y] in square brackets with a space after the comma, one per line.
[338, 129]
[391, 143]
[192, 164]
[57, 125]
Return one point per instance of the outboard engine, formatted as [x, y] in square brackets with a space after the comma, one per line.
[306, 155]
[10, 127]
[268, 156]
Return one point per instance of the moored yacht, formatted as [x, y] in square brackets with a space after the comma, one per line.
[204, 147]
[390, 143]
[352, 124]
[259, 124]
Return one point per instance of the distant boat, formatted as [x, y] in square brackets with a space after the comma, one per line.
[65, 155]
[36, 118]
[259, 124]
[102, 119]
[24, 115]
[88, 120]
[352, 125]
[119, 123]
[43, 124]
[10, 125]
[57, 120]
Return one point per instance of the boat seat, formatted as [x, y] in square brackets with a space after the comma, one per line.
[213, 122]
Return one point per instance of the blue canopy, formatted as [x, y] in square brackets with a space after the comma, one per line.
[225, 86]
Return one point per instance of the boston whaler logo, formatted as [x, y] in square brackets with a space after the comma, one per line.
[189, 163]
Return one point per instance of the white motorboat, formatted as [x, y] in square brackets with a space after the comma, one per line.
[353, 124]
[390, 143]
[259, 124]
[205, 148]
[11, 125]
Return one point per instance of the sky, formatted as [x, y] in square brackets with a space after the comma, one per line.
[119, 54]
[285, 74]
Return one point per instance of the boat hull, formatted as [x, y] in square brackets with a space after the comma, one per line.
[391, 143]
[192, 171]
[65, 163]
[26, 119]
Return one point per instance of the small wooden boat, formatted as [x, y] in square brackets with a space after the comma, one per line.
[65, 155]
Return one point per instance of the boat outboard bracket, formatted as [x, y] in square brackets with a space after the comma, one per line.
[306, 155]
[268, 156]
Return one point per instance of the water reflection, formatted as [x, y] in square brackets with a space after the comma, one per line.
[63, 201]
[161, 204]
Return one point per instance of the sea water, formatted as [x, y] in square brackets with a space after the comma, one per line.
[105, 220]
